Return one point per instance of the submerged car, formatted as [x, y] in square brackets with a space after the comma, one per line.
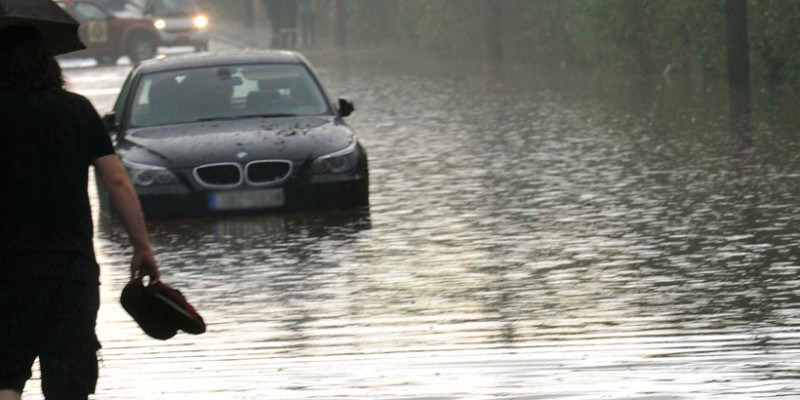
[227, 132]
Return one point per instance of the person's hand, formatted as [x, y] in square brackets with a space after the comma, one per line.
[144, 264]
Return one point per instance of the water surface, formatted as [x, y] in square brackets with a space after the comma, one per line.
[557, 234]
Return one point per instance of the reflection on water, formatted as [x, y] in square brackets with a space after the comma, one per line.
[555, 235]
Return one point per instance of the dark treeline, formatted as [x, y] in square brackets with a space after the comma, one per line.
[645, 36]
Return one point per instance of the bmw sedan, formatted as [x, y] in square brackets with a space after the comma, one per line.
[230, 132]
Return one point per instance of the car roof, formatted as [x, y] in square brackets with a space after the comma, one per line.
[199, 60]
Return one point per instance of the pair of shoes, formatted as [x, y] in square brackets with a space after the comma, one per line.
[160, 310]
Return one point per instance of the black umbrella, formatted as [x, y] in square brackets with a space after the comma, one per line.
[60, 30]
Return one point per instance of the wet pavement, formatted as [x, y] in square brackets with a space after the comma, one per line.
[549, 236]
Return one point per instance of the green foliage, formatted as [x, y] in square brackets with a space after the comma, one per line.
[775, 40]
[442, 26]
[542, 30]
[643, 36]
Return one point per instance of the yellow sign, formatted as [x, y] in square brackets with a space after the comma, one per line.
[98, 31]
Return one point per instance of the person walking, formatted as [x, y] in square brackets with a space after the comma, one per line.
[49, 277]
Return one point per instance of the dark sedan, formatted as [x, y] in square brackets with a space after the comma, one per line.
[230, 132]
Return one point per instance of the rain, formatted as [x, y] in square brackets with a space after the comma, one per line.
[572, 199]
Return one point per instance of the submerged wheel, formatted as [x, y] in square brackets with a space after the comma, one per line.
[141, 48]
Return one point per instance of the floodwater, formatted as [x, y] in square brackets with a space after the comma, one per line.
[553, 235]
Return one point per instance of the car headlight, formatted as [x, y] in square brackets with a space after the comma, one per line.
[340, 162]
[149, 175]
[200, 22]
[160, 24]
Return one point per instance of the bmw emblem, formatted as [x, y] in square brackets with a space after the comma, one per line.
[240, 155]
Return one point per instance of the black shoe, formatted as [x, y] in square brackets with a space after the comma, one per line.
[160, 310]
[177, 309]
[145, 312]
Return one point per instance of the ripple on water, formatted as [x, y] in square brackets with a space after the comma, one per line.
[552, 238]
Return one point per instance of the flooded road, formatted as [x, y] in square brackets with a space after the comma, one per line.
[553, 235]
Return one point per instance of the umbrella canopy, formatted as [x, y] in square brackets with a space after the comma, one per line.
[60, 30]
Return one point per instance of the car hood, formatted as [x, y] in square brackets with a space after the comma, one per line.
[189, 145]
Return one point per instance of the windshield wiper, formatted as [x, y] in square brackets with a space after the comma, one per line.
[220, 118]
[245, 116]
[276, 115]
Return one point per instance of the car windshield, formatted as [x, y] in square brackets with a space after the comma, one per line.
[229, 92]
[165, 8]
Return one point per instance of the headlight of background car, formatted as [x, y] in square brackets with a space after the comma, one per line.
[149, 175]
[340, 162]
[200, 22]
[160, 24]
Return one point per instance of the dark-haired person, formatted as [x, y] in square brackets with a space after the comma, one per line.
[49, 278]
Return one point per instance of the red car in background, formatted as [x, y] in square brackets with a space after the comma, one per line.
[108, 36]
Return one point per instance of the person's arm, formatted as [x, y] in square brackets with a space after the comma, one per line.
[126, 203]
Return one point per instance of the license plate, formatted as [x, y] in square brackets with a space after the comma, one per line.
[246, 199]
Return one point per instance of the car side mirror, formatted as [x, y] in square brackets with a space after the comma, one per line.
[345, 107]
[110, 121]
